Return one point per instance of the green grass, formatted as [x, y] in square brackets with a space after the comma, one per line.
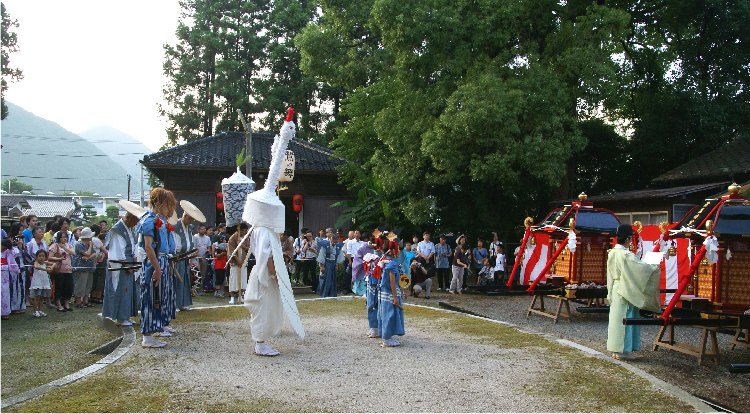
[580, 382]
[38, 350]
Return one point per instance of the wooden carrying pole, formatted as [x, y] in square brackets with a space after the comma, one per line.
[543, 273]
[521, 250]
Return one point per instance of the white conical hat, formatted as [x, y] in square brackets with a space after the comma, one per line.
[263, 208]
[193, 211]
[132, 208]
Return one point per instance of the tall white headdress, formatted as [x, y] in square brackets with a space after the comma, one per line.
[263, 208]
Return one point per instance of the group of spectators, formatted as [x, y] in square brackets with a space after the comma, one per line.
[451, 260]
[52, 265]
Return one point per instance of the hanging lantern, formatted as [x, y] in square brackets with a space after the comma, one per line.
[297, 201]
[220, 201]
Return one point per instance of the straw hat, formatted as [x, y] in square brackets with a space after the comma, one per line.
[193, 211]
[132, 208]
[86, 233]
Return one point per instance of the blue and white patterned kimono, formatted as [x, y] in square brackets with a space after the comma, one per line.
[331, 256]
[120, 288]
[154, 320]
[391, 317]
[372, 297]
[359, 286]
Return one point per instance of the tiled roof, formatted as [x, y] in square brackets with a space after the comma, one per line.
[722, 163]
[49, 206]
[660, 193]
[219, 152]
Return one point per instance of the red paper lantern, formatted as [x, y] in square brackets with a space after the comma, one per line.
[220, 201]
[297, 201]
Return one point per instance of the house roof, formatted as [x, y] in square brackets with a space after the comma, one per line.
[42, 206]
[730, 160]
[660, 193]
[218, 152]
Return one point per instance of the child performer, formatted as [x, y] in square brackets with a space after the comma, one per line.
[40, 284]
[156, 238]
[390, 310]
[372, 279]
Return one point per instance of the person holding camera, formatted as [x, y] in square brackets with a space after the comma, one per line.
[420, 278]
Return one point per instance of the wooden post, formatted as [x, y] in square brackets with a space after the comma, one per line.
[248, 145]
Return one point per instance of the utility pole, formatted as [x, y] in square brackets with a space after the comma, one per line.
[128, 187]
[141, 197]
[248, 146]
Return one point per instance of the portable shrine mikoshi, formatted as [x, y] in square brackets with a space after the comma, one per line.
[568, 251]
[715, 292]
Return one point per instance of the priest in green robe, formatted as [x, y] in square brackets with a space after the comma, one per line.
[631, 285]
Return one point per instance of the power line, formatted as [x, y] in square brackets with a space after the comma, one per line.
[66, 178]
[97, 141]
[70, 155]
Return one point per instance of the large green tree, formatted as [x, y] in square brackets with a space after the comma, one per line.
[213, 67]
[686, 80]
[471, 111]
[9, 45]
[15, 186]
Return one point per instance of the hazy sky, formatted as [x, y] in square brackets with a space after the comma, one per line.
[93, 62]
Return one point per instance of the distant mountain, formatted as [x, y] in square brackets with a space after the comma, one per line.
[51, 158]
[121, 147]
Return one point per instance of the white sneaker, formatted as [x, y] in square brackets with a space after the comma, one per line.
[264, 350]
[373, 333]
[150, 342]
[170, 329]
[42, 314]
[36, 314]
[163, 334]
[126, 322]
[388, 343]
[231, 301]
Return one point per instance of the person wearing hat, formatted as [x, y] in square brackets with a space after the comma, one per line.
[184, 242]
[631, 285]
[83, 268]
[156, 239]
[330, 258]
[120, 287]
[269, 292]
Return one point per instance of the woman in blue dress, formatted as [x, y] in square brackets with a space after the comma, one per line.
[390, 308]
[155, 236]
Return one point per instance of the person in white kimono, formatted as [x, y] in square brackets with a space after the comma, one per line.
[631, 285]
[120, 287]
[269, 292]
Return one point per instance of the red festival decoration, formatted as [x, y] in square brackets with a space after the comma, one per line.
[289, 114]
[297, 202]
[220, 201]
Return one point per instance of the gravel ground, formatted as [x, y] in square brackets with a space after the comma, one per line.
[711, 381]
[436, 370]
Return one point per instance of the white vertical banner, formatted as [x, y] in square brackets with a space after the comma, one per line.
[287, 167]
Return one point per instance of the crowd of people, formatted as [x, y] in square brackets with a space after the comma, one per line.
[332, 263]
[52, 265]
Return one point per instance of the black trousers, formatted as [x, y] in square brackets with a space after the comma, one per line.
[444, 277]
[63, 286]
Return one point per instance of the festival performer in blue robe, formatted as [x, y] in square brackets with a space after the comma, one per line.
[155, 237]
[183, 237]
[390, 308]
[330, 257]
[359, 285]
[120, 300]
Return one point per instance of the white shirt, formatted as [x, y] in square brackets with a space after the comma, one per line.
[353, 246]
[201, 243]
[425, 248]
[500, 262]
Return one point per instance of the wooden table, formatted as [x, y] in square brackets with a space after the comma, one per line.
[557, 314]
[707, 334]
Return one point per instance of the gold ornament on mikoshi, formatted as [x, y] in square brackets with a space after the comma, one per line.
[734, 188]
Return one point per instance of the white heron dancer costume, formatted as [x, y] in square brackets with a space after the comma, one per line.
[269, 295]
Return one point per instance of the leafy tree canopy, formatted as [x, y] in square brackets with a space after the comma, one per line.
[15, 186]
[9, 45]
